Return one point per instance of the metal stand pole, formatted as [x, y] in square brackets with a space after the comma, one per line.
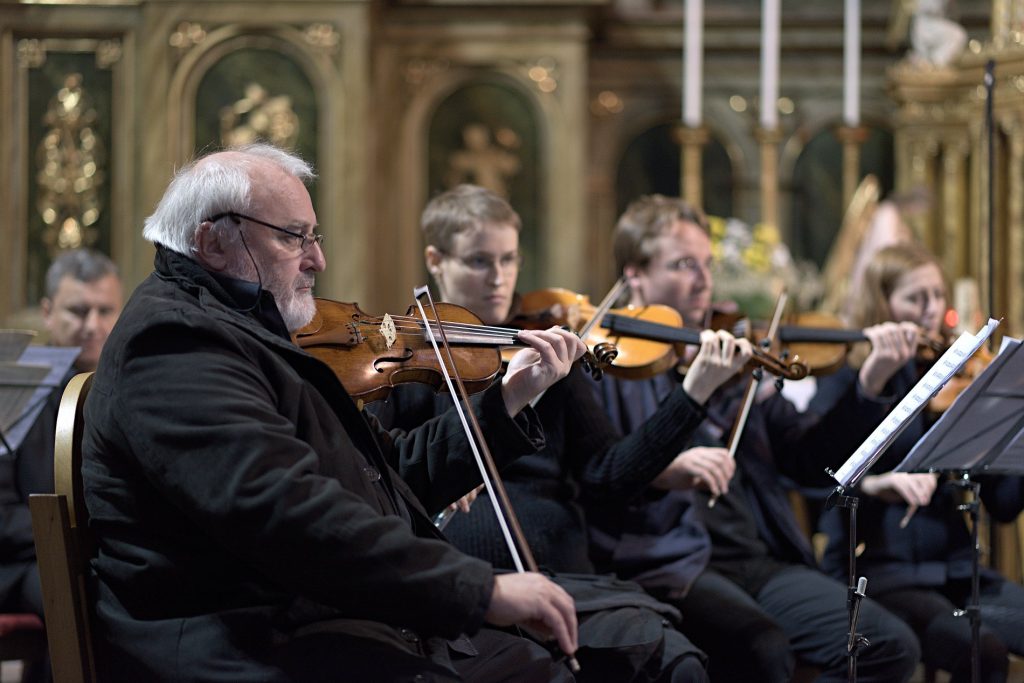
[857, 587]
[973, 608]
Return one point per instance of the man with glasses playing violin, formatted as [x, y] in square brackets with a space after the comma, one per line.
[472, 253]
[740, 570]
[252, 524]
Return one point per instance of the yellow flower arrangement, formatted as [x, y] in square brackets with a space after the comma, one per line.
[753, 265]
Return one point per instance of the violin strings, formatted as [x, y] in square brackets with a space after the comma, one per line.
[467, 328]
[463, 326]
[477, 334]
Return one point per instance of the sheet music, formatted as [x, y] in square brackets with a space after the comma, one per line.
[948, 365]
[983, 431]
[23, 392]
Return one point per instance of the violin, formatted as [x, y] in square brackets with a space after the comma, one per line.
[636, 358]
[372, 354]
[650, 339]
[822, 342]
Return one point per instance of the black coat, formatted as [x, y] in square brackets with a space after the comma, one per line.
[585, 458]
[238, 495]
[663, 541]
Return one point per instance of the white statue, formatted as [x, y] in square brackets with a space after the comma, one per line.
[935, 40]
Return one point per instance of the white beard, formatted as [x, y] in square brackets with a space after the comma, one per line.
[296, 309]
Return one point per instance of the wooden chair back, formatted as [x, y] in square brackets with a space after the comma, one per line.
[64, 546]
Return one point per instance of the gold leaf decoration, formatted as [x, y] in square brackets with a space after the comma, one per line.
[69, 169]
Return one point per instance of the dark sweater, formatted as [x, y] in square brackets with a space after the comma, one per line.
[584, 455]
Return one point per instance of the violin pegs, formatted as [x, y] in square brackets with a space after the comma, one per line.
[758, 374]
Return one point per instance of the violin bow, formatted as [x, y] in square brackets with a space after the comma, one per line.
[507, 519]
[752, 386]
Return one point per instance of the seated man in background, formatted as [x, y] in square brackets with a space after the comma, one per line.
[472, 253]
[251, 523]
[741, 571]
[82, 302]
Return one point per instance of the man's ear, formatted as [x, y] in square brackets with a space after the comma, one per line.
[631, 273]
[636, 291]
[209, 248]
[46, 306]
[432, 255]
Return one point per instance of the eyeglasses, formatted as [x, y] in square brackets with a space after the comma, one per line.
[688, 264]
[304, 241]
[481, 263]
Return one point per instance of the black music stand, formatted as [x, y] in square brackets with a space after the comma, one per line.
[861, 461]
[982, 432]
[25, 384]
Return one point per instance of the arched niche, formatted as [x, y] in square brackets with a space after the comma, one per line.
[816, 188]
[486, 132]
[214, 76]
[650, 162]
[257, 93]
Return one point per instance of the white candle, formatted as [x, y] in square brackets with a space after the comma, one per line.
[851, 64]
[693, 63]
[769, 64]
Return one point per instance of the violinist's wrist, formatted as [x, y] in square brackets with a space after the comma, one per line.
[698, 391]
[514, 401]
[870, 384]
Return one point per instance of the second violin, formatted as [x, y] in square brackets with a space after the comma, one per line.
[650, 339]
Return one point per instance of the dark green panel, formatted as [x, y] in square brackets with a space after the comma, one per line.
[286, 102]
[506, 136]
[77, 131]
[818, 189]
[651, 164]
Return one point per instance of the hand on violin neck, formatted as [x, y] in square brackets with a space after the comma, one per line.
[701, 467]
[531, 371]
[892, 347]
[535, 602]
[721, 356]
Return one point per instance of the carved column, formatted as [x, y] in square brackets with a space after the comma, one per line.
[852, 139]
[691, 171]
[769, 141]
[953, 210]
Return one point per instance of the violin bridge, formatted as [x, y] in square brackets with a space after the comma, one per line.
[388, 331]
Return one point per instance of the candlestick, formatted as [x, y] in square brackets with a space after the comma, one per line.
[693, 62]
[769, 64]
[851, 64]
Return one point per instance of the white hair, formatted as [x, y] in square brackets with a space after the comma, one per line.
[209, 186]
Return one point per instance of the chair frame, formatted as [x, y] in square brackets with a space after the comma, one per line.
[65, 546]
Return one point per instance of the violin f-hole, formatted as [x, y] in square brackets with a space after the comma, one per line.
[379, 363]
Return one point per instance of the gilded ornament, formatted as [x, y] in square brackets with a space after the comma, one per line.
[544, 74]
[69, 170]
[108, 53]
[486, 160]
[187, 35]
[323, 37]
[419, 70]
[31, 53]
[259, 116]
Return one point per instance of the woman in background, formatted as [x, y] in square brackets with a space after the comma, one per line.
[916, 544]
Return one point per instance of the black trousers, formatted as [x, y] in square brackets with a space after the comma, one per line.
[627, 636]
[946, 639]
[799, 612]
[490, 656]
